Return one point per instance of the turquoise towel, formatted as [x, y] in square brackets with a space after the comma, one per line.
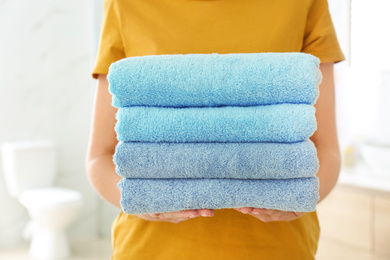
[272, 123]
[141, 196]
[236, 79]
[216, 160]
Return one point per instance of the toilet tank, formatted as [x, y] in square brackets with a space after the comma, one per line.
[28, 165]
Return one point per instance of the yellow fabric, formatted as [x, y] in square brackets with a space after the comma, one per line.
[150, 27]
[229, 235]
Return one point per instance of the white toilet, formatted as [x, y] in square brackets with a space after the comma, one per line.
[29, 173]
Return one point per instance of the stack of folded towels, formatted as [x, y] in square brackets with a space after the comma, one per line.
[216, 131]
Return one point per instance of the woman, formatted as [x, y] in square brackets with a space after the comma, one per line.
[153, 27]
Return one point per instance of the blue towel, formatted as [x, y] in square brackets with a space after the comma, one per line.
[272, 123]
[216, 160]
[141, 196]
[236, 79]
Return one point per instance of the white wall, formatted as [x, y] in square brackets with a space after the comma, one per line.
[46, 92]
[362, 82]
[340, 11]
[370, 69]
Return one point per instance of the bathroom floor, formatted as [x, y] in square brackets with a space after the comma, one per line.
[330, 249]
[100, 249]
[92, 249]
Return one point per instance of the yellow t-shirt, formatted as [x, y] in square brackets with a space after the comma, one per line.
[151, 27]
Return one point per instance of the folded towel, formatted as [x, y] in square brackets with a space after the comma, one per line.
[236, 79]
[273, 123]
[216, 160]
[141, 196]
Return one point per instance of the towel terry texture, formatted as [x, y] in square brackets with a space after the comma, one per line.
[236, 79]
[140, 196]
[216, 131]
[216, 160]
[273, 123]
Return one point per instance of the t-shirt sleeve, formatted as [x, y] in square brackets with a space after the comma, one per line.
[320, 37]
[110, 46]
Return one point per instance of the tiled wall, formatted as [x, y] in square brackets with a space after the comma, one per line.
[46, 92]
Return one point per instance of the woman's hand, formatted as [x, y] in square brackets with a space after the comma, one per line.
[177, 217]
[267, 215]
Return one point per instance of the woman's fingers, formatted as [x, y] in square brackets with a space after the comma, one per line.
[267, 215]
[245, 210]
[180, 214]
[206, 212]
[177, 217]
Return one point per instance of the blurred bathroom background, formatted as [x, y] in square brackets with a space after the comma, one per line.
[47, 50]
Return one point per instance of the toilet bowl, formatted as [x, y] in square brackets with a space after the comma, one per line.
[29, 174]
[51, 210]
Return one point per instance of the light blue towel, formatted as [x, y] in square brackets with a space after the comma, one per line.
[272, 123]
[216, 160]
[141, 196]
[236, 79]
